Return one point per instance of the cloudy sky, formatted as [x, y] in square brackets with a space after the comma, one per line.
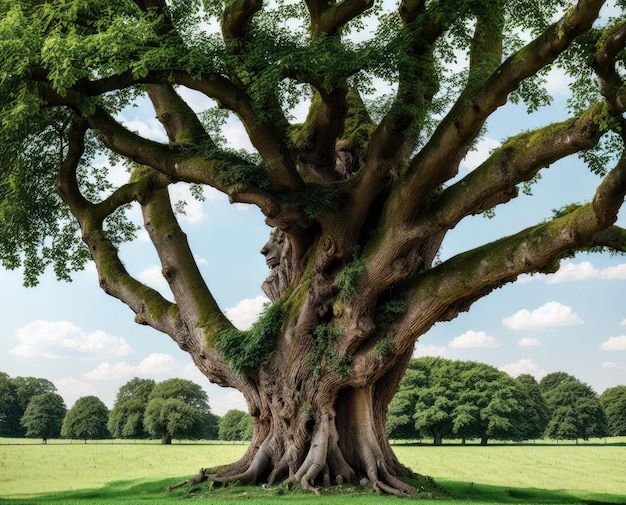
[87, 343]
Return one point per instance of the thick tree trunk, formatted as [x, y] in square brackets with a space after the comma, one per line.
[166, 438]
[319, 439]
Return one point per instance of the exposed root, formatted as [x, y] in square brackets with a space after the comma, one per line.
[198, 479]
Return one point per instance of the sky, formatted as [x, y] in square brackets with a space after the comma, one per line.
[86, 343]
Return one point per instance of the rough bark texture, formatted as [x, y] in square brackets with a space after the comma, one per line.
[358, 208]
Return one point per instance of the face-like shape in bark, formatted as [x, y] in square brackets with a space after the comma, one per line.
[273, 248]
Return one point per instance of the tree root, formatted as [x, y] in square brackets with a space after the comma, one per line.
[198, 479]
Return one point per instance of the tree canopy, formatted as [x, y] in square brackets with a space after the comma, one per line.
[613, 402]
[86, 420]
[43, 418]
[126, 416]
[442, 398]
[360, 193]
[179, 408]
[575, 409]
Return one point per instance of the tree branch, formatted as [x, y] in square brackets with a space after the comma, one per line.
[199, 312]
[439, 159]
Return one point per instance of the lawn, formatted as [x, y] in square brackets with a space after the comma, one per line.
[63, 473]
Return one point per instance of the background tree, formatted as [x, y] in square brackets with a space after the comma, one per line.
[29, 387]
[535, 411]
[613, 401]
[575, 410]
[235, 425]
[86, 420]
[179, 408]
[362, 192]
[44, 416]
[10, 412]
[400, 423]
[126, 416]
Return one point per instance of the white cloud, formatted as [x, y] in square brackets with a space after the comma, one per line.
[523, 366]
[480, 153]
[63, 339]
[584, 270]
[152, 130]
[471, 339]
[152, 276]
[429, 350]
[552, 314]
[246, 311]
[622, 322]
[529, 342]
[156, 364]
[193, 209]
[74, 388]
[614, 344]
[230, 401]
[608, 364]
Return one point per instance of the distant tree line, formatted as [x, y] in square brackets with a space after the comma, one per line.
[173, 409]
[437, 398]
[440, 398]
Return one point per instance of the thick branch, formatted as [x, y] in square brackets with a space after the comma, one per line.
[200, 313]
[439, 159]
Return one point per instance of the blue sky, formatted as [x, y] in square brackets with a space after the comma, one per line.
[87, 342]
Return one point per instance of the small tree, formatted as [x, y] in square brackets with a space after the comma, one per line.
[235, 425]
[613, 401]
[126, 417]
[86, 420]
[44, 416]
[575, 411]
[179, 408]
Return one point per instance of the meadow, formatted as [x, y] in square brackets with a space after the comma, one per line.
[129, 473]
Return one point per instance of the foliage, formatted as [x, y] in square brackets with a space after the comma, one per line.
[235, 425]
[179, 408]
[252, 348]
[349, 277]
[322, 353]
[535, 418]
[15, 395]
[575, 410]
[126, 417]
[441, 398]
[613, 401]
[44, 416]
[86, 420]
[10, 412]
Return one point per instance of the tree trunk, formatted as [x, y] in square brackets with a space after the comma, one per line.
[483, 440]
[437, 438]
[166, 438]
[318, 437]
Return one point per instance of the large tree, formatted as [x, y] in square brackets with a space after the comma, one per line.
[361, 193]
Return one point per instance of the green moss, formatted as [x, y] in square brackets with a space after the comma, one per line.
[252, 349]
[388, 312]
[348, 279]
[313, 200]
[322, 352]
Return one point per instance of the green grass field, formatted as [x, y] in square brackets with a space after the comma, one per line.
[63, 473]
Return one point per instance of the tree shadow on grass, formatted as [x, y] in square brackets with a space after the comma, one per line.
[482, 493]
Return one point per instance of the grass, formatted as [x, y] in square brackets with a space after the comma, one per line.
[63, 473]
